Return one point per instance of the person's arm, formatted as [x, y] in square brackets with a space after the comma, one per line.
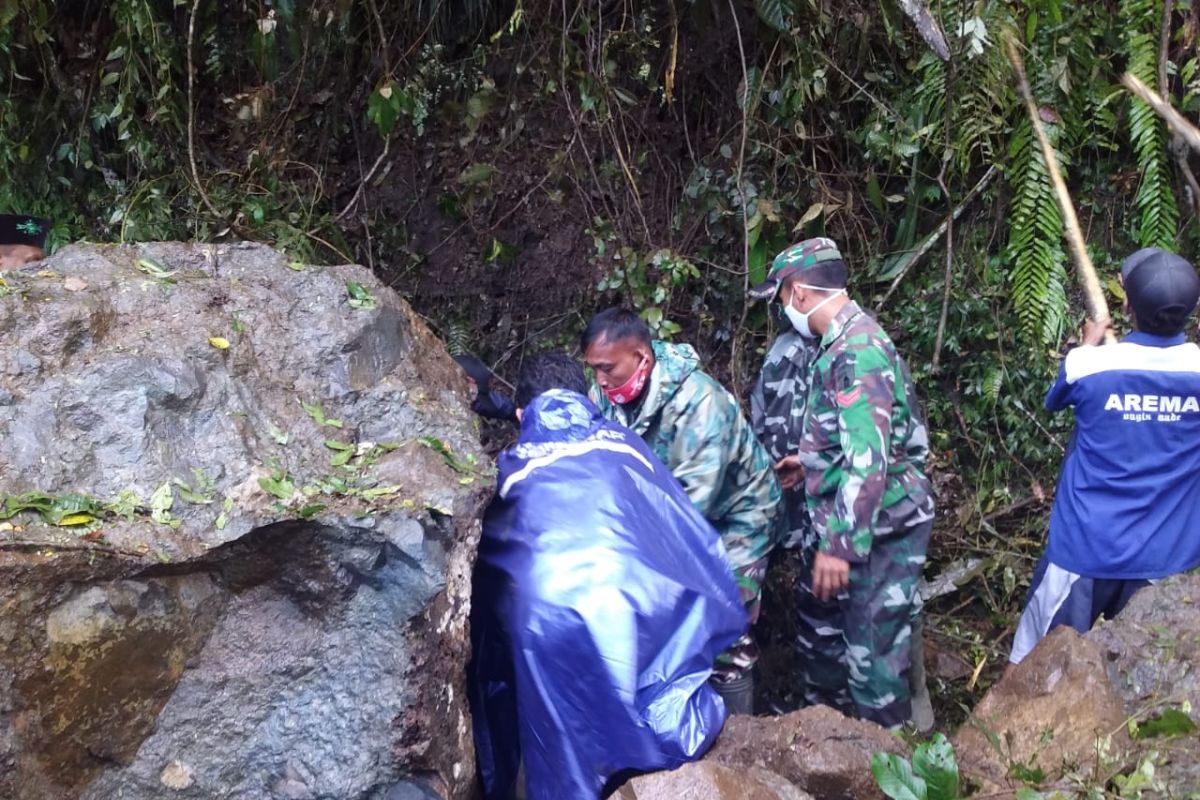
[865, 394]
[1059, 396]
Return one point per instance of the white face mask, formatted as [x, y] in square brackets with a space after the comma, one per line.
[799, 319]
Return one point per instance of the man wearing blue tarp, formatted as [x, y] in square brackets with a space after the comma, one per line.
[601, 601]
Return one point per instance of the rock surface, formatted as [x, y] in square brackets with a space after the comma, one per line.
[1057, 707]
[706, 780]
[255, 613]
[816, 749]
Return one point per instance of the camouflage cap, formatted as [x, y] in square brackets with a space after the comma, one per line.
[794, 260]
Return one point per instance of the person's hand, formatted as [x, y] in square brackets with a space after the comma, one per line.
[790, 472]
[1093, 332]
[830, 576]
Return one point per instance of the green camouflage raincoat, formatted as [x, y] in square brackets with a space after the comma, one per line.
[696, 428]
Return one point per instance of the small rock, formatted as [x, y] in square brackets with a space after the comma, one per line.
[177, 776]
[73, 284]
[705, 780]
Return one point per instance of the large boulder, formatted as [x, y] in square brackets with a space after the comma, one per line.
[241, 507]
[1066, 707]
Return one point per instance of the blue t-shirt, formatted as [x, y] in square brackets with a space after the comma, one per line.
[1128, 500]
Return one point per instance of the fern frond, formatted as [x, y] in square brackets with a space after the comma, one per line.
[1157, 223]
[1038, 276]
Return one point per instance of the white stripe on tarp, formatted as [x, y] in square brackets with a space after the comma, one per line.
[569, 451]
[1051, 592]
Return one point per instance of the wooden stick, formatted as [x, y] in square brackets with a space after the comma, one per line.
[1093, 295]
[1176, 121]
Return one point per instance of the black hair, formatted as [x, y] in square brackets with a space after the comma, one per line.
[546, 371]
[615, 324]
[1167, 321]
[825, 274]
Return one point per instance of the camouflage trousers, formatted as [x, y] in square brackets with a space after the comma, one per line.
[741, 656]
[855, 648]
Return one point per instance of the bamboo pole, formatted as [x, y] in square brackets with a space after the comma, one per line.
[1176, 121]
[1093, 295]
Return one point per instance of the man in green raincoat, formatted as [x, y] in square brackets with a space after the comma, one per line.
[698, 430]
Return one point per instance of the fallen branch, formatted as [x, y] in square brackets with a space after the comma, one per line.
[191, 118]
[1093, 295]
[28, 544]
[1175, 121]
[932, 239]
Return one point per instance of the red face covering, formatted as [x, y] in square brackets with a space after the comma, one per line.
[631, 389]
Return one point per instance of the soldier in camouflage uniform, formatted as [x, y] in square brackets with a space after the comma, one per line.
[862, 455]
[697, 429]
[776, 412]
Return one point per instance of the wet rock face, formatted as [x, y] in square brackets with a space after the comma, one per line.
[293, 624]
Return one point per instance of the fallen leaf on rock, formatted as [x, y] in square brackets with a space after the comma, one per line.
[73, 284]
[219, 342]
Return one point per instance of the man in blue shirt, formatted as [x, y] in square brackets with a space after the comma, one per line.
[1127, 509]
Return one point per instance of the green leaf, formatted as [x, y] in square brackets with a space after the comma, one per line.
[477, 174]
[1168, 724]
[776, 13]
[1025, 793]
[896, 779]
[359, 296]
[342, 458]
[160, 506]
[383, 106]
[310, 511]
[317, 413]
[934, 762]
[279, 485]
[280, 436]
[334, 444]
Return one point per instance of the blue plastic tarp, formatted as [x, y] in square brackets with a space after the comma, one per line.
[601, 599]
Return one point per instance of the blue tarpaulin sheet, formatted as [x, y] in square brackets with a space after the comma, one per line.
[601, 598]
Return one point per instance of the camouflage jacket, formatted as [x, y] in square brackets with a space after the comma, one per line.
[865, 444]
[777, 416]
[696, 428]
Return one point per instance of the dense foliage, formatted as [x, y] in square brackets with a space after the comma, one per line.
[512, 166]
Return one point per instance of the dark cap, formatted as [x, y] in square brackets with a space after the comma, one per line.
[793, 261]
[24, 229]
[1162, 288]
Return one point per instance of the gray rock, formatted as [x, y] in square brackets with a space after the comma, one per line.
[237, 648]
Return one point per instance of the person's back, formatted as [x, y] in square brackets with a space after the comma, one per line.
[601, 599]
[1133, 470]
[1127, 508]
[698, 430]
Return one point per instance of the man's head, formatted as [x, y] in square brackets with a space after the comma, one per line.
[808, 279]
[617, 346]
[546, 371]
[22, 239]
[1161, 290]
